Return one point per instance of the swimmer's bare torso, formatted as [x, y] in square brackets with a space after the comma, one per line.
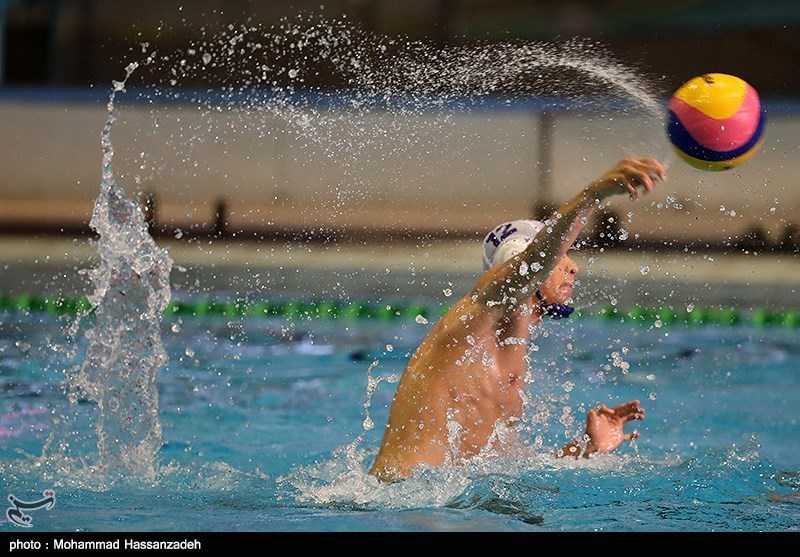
[464, 383]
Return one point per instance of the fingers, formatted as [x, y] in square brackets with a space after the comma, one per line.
[629, 406]
[648, 165]
[631, 436]
[641, 171]
[651, 166]
[627, 184]
[626, 412]
[606, 411]
[630, 411]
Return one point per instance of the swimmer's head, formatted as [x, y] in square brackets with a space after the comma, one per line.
[510, 239]
[507, 240]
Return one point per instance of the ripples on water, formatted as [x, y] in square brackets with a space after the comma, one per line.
[259, 423]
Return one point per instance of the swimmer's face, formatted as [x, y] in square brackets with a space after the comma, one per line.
[558, 287]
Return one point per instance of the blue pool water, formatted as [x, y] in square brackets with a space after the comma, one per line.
[262, 419]
[263, 424]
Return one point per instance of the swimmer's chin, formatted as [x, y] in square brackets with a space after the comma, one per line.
[565, 293]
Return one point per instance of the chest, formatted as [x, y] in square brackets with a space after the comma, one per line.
[491, 369]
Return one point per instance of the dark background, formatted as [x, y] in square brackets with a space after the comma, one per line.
[81, 42]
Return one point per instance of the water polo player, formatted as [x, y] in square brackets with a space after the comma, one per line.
[462, 390]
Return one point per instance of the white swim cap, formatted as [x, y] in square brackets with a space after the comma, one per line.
[509, 239]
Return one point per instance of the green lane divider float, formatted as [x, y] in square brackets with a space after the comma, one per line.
[329, 309]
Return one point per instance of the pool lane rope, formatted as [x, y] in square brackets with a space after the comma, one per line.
[330, 309]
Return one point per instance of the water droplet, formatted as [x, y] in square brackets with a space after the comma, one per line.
[23, 346]
[421, 320]
[206, 58]
[644, 269]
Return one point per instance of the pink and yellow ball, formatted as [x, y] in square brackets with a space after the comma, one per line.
[715, 121]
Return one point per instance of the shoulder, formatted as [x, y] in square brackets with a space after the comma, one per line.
[471, 313]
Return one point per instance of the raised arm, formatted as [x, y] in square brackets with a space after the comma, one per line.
[517, 280]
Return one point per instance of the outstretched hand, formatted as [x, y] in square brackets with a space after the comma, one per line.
[604, 430]
[628, 176]
[604, 426]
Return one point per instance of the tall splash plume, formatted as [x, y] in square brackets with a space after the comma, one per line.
[125, 352]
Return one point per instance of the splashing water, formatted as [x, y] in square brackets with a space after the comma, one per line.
[266, 81]
[387, 86]
[124, 353]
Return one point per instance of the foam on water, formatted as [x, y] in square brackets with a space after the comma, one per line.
[337, 482]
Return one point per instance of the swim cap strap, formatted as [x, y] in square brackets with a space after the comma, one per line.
[555, 311]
